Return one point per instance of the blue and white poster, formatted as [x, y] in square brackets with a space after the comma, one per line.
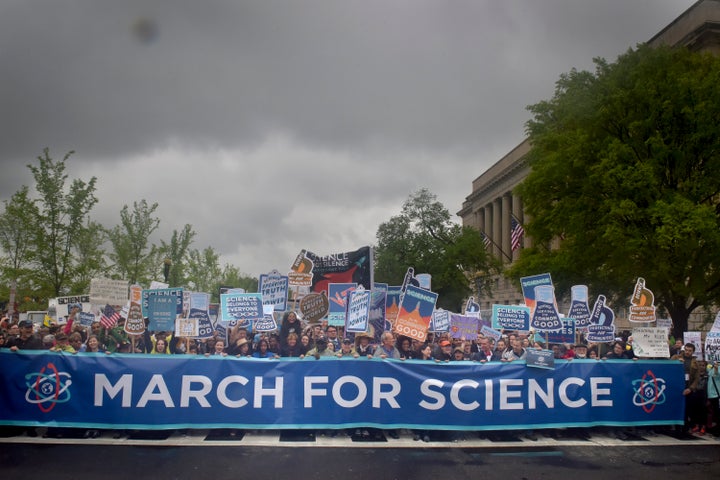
[528, 285]
[274, 289]
[337, 296]
[602, 322]
[579, 306]
[511, 317]
[544, 317]
[176, 293]
[162, 312]
[240, 306]
[153, 392]
[564, 335]
[440, 321]
[358, 311]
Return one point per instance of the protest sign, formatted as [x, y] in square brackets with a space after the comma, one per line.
[424, 281]
[240, 306]
[175, 293]
[86, 318]
[602, 322]
[712, 346]
[106, 290]
[565, 335]
[65, 305]
[134, 323]
[162, 312]
[358, 310]
[415, 312]
[642, 308]
[392, 305]
[440, 321]
[376, 316]
[490, 333]
[205, 326]
[696, 339]
[187, 327]
[544, 316]
[511, 317]
[267, 323]
[650, 342]
[346, 267]
[314, 307]
[579, 307]
[540, 358]
[528, 285]
[274, 290]
[472, 308]
[464, 326]
[337, 296]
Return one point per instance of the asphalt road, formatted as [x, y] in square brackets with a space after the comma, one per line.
[275, 455]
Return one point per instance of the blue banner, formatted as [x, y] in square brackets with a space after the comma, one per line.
[187, 391]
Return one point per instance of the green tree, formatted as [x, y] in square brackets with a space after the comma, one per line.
[16, 243]
[203, 269]
[61, 215]
[424, 237]
[133, 255]
[176, 251]
[626, 173]
[90, 256]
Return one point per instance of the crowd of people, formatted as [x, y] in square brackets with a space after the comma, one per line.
[293, 339]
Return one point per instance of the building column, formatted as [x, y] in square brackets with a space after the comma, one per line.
[506, 210]
[487, 225]
[497, 235]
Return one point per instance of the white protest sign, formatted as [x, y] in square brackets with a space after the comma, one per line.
[712, 347]
[696, 339]
[650, 342]
[107, 291]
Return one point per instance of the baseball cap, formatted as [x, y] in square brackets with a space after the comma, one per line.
[347, 340]
[444, 343]
[25, 323]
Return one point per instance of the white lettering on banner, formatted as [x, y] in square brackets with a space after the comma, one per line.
[350, 391]
[511, 394]
[377, 392]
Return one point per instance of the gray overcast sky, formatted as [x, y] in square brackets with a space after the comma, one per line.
[272, 126]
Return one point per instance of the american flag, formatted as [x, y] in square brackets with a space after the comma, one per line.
[109, 317]
[516, 233]
[486, 240]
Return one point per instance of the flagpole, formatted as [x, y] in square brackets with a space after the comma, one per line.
[497, 246]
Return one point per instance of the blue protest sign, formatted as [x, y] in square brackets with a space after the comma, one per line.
[162, 312]
[511, 317]
[240, 306]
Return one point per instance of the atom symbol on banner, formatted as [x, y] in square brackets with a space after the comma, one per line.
[649, 392]
[47, 389]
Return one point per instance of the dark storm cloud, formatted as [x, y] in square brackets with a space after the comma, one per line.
[252, 120]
